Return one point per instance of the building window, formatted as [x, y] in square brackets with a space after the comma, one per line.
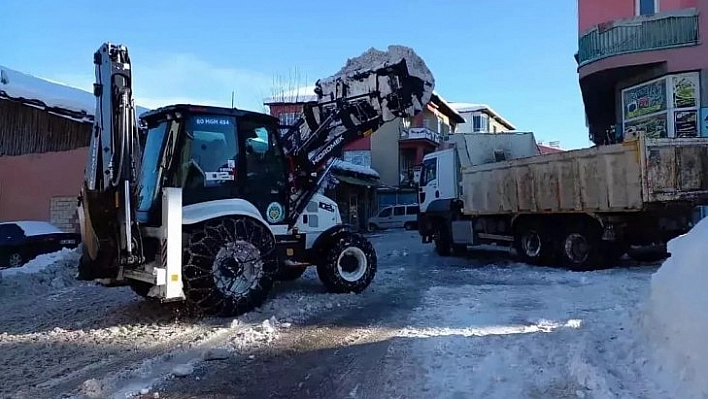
[358, 157]
[647, 7]
[480, 123]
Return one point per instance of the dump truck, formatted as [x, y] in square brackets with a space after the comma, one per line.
[580, 209]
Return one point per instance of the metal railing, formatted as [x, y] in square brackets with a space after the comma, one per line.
[643, 33]
[415, 133]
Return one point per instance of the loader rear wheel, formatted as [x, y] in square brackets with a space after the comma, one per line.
[350, 264]
[229, 266]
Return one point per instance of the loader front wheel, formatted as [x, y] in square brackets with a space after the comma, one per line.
[350, 264]
[229, 265]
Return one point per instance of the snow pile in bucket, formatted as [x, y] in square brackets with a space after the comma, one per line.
[359, 77]
[679, 313]
[55, 270]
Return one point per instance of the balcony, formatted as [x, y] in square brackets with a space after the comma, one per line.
[642, 33]
[420, 133]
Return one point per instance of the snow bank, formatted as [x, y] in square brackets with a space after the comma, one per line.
[56, 270]
[679, 312]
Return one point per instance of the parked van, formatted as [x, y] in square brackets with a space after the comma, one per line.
[396, 216]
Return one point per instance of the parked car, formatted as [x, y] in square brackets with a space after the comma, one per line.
[396, 216]
[21, 241]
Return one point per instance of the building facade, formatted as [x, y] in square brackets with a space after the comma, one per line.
[45, 132]
[480, 118]
[642, 68]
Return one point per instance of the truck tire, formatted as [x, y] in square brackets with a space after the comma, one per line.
[350, 264]
[580, 247]
[290, 273]
[533, 243]
[443, 241]
[229, 265]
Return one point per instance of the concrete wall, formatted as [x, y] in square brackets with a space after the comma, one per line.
[384, 152]
[594, 12]
[29, 182]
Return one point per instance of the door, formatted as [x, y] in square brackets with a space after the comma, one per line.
[399, 217]
[384, 218]
[429, 182]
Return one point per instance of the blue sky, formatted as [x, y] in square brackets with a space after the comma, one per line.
[514, 55]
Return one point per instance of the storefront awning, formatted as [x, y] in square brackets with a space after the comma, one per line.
[357, 181]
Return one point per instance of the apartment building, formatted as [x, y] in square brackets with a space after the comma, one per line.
[642, 67]
[480, 118]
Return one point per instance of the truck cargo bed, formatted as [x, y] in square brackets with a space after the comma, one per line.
[630, 176]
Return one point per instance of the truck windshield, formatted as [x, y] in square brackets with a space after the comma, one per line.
[150, 169]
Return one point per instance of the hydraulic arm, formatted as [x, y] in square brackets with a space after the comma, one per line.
[369, 91]
[109, 189]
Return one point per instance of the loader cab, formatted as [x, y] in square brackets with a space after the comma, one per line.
[212, 153]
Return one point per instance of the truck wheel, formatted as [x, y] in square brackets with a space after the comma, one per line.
[443, 241]
[289, 273]
[533, 244]
[350, 264]
[229, 265]
[580, 248]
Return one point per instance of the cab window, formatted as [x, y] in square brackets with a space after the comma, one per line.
[429, 172]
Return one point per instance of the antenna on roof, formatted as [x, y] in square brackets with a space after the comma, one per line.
[232, 98]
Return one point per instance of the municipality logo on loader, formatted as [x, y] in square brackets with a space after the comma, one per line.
[275, 212]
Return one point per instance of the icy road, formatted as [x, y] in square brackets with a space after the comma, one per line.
[428, 327]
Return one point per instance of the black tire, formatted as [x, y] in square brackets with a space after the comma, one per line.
[443, 241]
[580, 247]
[222, 252]
[409, 225]
[533, 243]
[333, 272]
[290, 273]
[15, 259]
[373, 227]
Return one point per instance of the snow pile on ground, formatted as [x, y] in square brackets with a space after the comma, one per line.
[56, 270]
[522, 332]
[679, 312]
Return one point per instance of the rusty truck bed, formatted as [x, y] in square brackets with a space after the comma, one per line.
[614, 178]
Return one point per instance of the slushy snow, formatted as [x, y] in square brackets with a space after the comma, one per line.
[679, 313]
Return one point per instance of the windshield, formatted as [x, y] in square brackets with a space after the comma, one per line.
[150, 168]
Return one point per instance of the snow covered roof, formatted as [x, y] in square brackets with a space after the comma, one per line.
[58, 98]
[344, 166]
[295, 96]
[450, 110]
[471, 107]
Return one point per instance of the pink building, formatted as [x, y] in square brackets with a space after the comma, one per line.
[641, 67]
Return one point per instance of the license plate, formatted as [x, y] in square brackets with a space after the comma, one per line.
[66, 242]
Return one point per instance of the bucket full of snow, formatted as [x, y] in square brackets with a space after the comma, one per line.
[679, 308]
[399, 79]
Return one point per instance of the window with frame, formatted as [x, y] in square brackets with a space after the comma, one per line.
[288, 118]
[480, 123]
[647, 7]
[399, 211]
[358, 157]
